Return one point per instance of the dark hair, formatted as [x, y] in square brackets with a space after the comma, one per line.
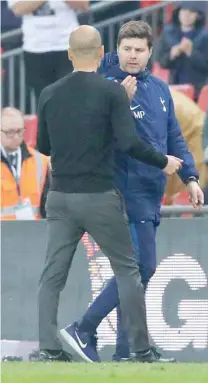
[200, 21]
[136, 29]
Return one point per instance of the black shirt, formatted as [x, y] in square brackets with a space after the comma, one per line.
[80, 119]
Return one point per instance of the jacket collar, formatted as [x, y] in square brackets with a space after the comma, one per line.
[25, 153]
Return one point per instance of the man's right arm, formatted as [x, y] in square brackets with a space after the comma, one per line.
[124, 130]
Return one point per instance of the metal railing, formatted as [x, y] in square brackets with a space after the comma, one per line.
[13, 61]
[154, 15]
[178, 210]
[13, 68]
[98, 7]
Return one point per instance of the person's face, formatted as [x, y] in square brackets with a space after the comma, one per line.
[133, 54]
[187, 17]
[12, 132]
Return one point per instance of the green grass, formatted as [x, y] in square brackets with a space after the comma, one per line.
[104, 372]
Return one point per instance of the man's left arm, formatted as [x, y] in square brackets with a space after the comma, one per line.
[44, 194]
[177, 146]
[43, 142]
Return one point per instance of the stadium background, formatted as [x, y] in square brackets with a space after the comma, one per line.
[183, 316]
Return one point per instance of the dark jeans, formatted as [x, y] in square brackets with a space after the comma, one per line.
[143, 236]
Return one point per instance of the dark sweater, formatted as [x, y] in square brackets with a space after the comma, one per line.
[81, 118]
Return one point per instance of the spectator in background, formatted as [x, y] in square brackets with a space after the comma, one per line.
[9, 22]
[24, 171]
[46, 28]
[191, 120]
[183, 47]
[205, 147]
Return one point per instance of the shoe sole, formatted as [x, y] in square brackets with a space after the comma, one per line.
[70, 340]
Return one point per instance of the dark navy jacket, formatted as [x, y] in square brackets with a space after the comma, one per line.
[152, 107]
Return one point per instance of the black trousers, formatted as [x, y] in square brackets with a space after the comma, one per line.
[43, 69]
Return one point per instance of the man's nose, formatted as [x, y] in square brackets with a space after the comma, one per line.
[133, 53]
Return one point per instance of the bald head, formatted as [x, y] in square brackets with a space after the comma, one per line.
[10, 112]
[85, 42]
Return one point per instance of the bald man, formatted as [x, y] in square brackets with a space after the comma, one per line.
[79, 119]
[23, 194]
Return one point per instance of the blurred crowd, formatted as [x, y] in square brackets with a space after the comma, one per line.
[181, 50]
[183, 47]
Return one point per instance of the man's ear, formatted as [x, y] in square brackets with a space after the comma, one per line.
[150, 53]
[70, 54]
[101, 52]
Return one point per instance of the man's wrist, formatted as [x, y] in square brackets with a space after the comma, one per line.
[192, 179]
